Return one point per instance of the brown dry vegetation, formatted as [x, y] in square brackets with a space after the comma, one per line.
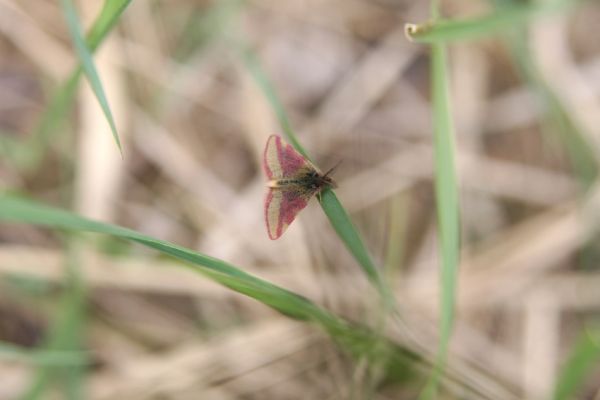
[193, 124]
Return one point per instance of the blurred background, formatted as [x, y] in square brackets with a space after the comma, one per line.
[193, 124]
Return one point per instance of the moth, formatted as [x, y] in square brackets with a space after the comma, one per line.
[293, 180]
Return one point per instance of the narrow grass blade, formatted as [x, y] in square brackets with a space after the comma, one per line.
[329, 202]
[580, 364]
[31, 152]
[263, 82]
[65, 335]
[446, 194]
[23, 211]
[446, 188]
[396, 240]
[505, 18]
[109, 16]
[346, 231]
[11, 352]
[205, 25]
[89, 68]
[70, 327]
[556, 117]
[353, 338]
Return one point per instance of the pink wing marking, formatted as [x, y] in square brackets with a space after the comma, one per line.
[281, 160]
[281, 208]
[289, 159]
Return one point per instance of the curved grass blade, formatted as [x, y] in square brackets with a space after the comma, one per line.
[31, 152]
[19, 210]
[341, 223]
[263, 82]
[557, 119]
[87, 63]
[505, 18]
[354, 338]
[109, 16]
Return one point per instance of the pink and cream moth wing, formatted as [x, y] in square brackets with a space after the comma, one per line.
[286, 197]
[282, 161]
[281, 208]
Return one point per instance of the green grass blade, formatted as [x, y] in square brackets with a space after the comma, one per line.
[446, 194]
[341, 223]
[30, 153]
[205, 25]
[109, 16]
[581, 362]
[11, 352]
[65, 336]
[23, 211]
[505, 18]
[446, 188]
[89, 68]
[556, 117]
[69, 331]
[329, 202]
[396, 240]
[263, 82]
[353, 338]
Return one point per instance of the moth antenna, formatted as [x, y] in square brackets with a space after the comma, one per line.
[332, 169]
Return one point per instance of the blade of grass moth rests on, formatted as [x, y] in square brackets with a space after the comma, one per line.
[293, 180]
